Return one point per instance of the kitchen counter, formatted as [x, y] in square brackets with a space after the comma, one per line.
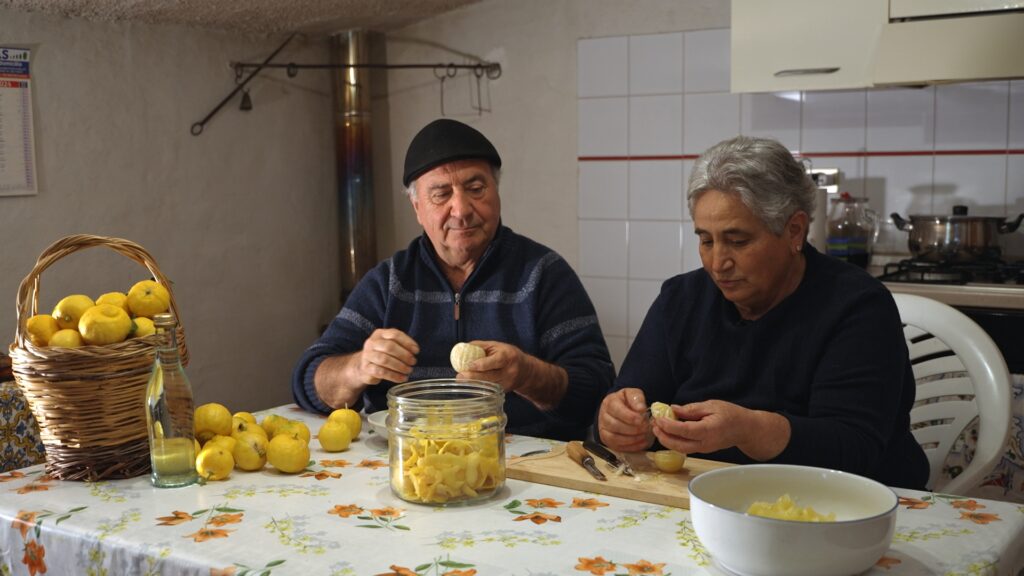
[339, 517]
[974, 295]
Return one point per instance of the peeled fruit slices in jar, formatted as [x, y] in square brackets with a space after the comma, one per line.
[662, 410]
[463, 354]
[668, 460]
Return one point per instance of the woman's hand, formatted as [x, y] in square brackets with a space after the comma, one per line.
[622, 422]
[715, 425]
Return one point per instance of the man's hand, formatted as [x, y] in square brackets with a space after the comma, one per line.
[388, 354]
[538, 381]
[716, 425]
[622, 422]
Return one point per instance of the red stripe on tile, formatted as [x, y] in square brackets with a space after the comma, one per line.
[839, 154]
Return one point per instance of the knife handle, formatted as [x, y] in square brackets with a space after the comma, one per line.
[576, 452]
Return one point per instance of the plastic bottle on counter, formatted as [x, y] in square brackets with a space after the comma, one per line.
[169, 412]
[852, 228]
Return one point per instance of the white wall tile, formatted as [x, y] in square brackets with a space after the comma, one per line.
[610, 298]
[900, 184]
[656, 190]
[775, 115]
[655, 125]
[971, 116]
[979, 182]
[706, 58]
[601, 67]
[1013, 243]
[603, 190]
[687, 169]
[901, 119]
[1017, 114]
[603, 126]
[618, 346]
[851, 171]
[656, 64]
[641, 295]
[603, 248]
[708, 119]
[654, 249]
[833, 121]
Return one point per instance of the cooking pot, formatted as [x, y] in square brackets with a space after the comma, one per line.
[956, 238]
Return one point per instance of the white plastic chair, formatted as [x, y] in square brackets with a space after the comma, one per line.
[965, 377]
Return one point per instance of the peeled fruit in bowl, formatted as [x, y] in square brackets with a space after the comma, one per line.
[119, 299]
[214, 463]
[147, 298]
[334, 436]
[251, 451]
[41, 328]
[70, 309]
[350, 418]
[143, 327]
[294, 427]
[66, 338]
[288, 453]
[212, 419]
[104, 324]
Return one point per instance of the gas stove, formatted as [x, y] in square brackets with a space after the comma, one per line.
[955, 273]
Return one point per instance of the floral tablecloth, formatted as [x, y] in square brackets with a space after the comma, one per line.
[340, 518]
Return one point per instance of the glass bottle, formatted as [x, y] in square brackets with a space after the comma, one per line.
[169, 412]
[852, 230]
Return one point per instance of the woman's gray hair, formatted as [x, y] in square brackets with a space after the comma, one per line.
[763, 173]
[410, 190]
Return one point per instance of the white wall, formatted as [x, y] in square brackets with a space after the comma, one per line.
[241, 219]
[533, 120]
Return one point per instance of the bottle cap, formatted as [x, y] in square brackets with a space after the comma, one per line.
[163, 319]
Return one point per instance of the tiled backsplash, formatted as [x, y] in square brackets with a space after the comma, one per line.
[648, 105]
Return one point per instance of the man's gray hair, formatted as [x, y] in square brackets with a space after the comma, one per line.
[410, 190]
[763, 173]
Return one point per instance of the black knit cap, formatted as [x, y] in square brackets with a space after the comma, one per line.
[443, 141]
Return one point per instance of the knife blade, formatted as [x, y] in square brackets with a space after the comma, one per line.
[608, 456]
[579, 455]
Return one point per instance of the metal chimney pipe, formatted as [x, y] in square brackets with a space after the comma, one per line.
[353, 158]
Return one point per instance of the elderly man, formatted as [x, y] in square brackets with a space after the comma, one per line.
[467, 278]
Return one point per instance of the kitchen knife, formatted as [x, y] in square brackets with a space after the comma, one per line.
[608, 456]
[579, 455]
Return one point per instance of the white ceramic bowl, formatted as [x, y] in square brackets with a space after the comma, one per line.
[865, 516]
[378, 422]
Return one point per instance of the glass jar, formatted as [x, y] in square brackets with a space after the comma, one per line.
[852, 229]
[446, 440]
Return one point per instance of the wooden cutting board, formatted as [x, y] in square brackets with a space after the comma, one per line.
[555, 468]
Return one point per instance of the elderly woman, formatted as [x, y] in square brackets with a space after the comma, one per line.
[772, 352]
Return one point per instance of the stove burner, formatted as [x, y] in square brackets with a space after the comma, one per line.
[983, 272]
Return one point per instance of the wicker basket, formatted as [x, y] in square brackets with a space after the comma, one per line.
[89, 401]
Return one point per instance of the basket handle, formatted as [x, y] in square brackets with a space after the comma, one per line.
[28, 291]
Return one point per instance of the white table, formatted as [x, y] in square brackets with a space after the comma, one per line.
[340, 518]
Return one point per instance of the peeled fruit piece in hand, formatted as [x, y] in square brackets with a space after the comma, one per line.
[251, 451]
[70, 309]
[288, 453]
[41, 328]
[214, 463]
[212, 419]
[143, 327]
[350, 418]
[669, 460]
[334, 436]
[662, 410]
[119, 299]
[294, 427]
[104, 324]
[463, 354]
[147, 298]
[66, 338]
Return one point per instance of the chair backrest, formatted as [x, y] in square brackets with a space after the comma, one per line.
[961, 375]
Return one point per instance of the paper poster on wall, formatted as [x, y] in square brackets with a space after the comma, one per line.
[17, 137]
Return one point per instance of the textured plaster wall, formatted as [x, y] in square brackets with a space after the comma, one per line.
[532, 119]
[241, 219]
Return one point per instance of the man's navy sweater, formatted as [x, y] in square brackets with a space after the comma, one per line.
[520, 292]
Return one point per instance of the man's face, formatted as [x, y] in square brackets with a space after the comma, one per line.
[458, 206]
[754, 268]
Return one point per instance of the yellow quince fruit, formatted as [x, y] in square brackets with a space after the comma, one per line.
[350, 418]
[210, 420]
[41, 328]
[143, 327]
[66, 338]
[70, 309]
[104, 324]
[148, 298]
[119, 299]
[288, 453]
[214, 462]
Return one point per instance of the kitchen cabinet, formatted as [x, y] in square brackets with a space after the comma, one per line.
[782, 45]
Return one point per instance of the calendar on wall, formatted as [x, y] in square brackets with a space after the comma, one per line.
[17, 137]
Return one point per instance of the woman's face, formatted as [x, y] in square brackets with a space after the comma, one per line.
[754, 268]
